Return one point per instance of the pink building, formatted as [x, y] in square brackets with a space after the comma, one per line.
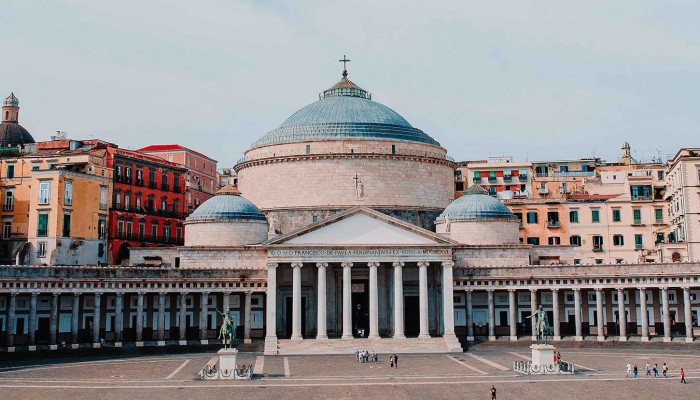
[201, 179]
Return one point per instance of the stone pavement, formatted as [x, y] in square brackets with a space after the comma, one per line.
[601, 374]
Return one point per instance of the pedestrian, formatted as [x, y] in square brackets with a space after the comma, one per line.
[629, 370]
[664, 370]
[396, 361]
[683, 376]
[493, 392]
[648, 370]
[656, 370]
[392, 361]
[636, 372]
[357, 354]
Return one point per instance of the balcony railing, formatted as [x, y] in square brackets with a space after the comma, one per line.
[476, 180]
[642, 198]
[492, 179]
[507, 178]
[637, 222]
[168, 213]
[149, 238]
[597, 248]
[638, 246]
[561, 174]
[553, 224]
[8, 207]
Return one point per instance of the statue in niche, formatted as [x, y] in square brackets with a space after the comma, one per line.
[448, 223]
[274, 226]
[360, 189]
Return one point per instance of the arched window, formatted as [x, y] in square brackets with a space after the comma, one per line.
[676, 257]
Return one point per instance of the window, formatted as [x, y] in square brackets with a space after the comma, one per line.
[164, 181]
[127, 200]
[163, 205]
[595, 215]
[118, 177]
[637, 216]
[120, 228]
[68, 193]
[553, 240]
[142, 230]
[618, 240]
[166, 233]
[7, 228]
[154, 229]
[66, 225]
[9, 203]
[127, 177]
[659, 213]
[308, 149]
[533, 240]
[598, 261]
[42, 227]
[573, 216]
[577, 261]
[176, 183]
[10, 171]
[575, 240]
[138, 201]
[459, 186]
[118, 200]
[103, 198]
[597, 243]
[616, 215]
[178, 233]
[44, 192]
[638, 242]
[170, 157]
[41, 249]
[553, 219]
[152, 178]
[102, 228]
[660, 175]
[619, 261]
[176, 205]
[139, 177]
[532, 217]
[129, 228]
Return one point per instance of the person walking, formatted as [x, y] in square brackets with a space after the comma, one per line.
[357, 354]
[648, 370]
[664, 370]
[396, 361]
[629, 370]
[493, 392]
[391, 361]
[656, 370]
[683, 376]
[636, 372]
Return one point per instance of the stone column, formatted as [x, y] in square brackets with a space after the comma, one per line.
[492, 315]
[577, 314]
[470, 316]
[226, 301]
[533, 309]
[398, 300]
[75, 321]
[373, 301]
[183, 318]
[246, 317]
[296, 301]
[667, 314]
[513, 314]
[322, 324]
[687, 315]
[423, 299]
[118, 319]
[139, 319]
[448, 298]
[644, 314]
[555, 315]
[161, 319]
[32, 321]
[347, 300]
[11, 321]
[96, 319]
[53, 321]
[622, 315]
[599, 312]
[271, 310]
[203, 311]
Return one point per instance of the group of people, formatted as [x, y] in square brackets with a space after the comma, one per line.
[633, 371]
[365, 356]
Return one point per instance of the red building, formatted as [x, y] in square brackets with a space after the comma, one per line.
[148, 203]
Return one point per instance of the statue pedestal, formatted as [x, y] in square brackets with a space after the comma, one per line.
[227, 359]
[542, 354]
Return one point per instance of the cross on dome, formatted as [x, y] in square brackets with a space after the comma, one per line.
[345, 60]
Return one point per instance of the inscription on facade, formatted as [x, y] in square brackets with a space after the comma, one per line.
[357, 252]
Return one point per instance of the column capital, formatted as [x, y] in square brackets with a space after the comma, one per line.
[54, 294]
[184, 293]
[398, 263]
[297, 265]
[555, 290]
[598, 289]
[346, 265]
[423, 263]
[119, 294]
[97, 294]
[620, 289]
[577, 289]
[533, 290]
[76, 294]
[512, 290]
[686, 288]
[248, 292]
[205, 293]
[35, 294]
[468, 290]
[448, 264]
[322, 264]
[490, 290]
[162, 293]
[272, 265]
[664, 289]
[372, 264]
[642, 288]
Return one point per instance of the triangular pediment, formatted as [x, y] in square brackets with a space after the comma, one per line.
[361, 226]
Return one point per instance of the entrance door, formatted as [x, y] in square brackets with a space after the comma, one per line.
[360, 308]
[411, 316]
[43, 334]
[289, 318]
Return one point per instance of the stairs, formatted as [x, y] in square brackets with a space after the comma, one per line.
[385, 346]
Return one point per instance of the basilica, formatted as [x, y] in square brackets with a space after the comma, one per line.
[343, 232]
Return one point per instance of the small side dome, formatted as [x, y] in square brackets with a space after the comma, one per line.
[226, 220]
[476, 204]
[227, 205]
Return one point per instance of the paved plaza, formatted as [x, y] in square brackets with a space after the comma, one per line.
[600, 374]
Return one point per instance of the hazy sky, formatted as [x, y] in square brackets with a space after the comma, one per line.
[532, 79]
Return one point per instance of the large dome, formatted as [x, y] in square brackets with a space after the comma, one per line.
[227, 205]
[345, 111]
[476, 204]
[13, 134]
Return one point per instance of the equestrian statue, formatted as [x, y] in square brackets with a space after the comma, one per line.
[541, 325]
[227, 329]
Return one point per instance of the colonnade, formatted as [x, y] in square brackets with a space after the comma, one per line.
[618, 310]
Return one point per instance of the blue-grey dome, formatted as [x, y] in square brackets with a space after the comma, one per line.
[475, 204]
[345, 111]
[227, 205]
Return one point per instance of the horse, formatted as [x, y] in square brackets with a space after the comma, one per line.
[226, 332]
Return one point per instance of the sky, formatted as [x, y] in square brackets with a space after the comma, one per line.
[536, 80]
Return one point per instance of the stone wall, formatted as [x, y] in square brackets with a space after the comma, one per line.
[482, 232]
[225, 233]
[491, 256]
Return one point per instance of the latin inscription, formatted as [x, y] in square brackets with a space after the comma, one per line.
[351, 252]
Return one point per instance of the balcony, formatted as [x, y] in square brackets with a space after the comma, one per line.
[8, 207]
[642, 198]
[542, 190]
[563, 174]
[103, 206]
[149, 238]
[597, 248]
[553, 224]
[637, 222]
[638, 246]
[476, 180]
[492, 179]
[152, 211]
[522, 177]
[507, 178]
